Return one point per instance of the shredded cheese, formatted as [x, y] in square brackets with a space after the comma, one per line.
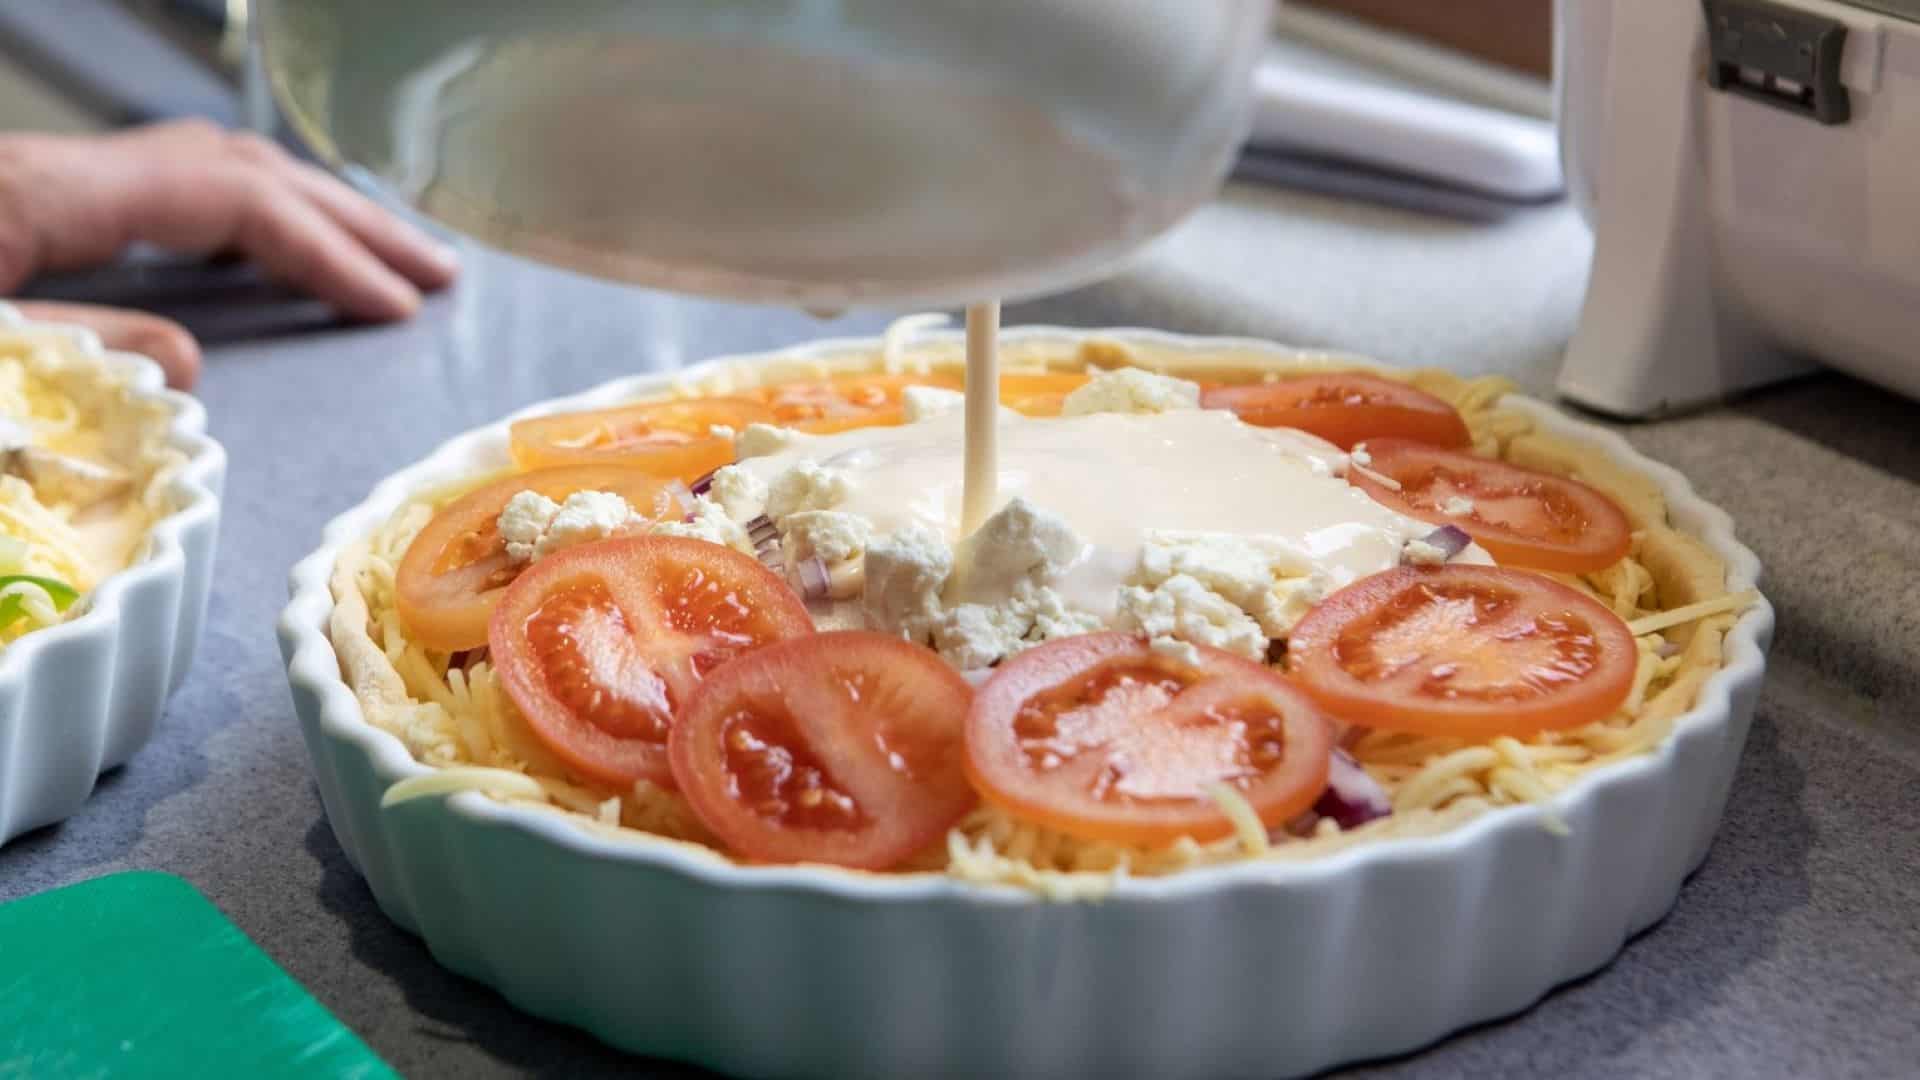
[1380, 478]
[1246, 823]
[501, 783]
[893, 342]
[1667, 620]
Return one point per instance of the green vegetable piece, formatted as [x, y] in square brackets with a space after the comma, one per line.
[13, 607]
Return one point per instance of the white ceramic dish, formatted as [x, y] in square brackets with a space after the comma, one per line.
[81, 697]
[1238, 970]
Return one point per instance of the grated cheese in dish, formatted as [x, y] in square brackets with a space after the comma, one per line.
[1670, 589]
[83, 471]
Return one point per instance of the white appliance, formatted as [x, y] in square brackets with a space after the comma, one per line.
[1751, 170]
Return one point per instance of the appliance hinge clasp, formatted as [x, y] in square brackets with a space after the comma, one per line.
[1778, 55]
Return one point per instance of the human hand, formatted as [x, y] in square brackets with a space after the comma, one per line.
[69, 202]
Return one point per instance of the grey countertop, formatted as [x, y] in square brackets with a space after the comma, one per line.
[1794, 951]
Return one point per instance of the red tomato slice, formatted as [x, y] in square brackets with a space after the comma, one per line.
[455, 570]
[601, 645]
[1463, 650]
[839, 748]
[667, 438]
[1039, 395]
[1103, 738]
[1343, 408]
[1520, 516]
[846, 402]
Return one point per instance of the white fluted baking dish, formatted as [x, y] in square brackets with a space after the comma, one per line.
[80, 697]
[1256, 969]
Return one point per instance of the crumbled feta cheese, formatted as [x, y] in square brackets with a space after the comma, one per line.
[1457, 506]
[1181, 607]
[759, 440]
[926, 402]
[1179, 650]
[740, 493]
[806, 486]
[1359, 455]
[523, 521]
[1131, 390]
[905, 573]
[535, 526]
[709, 522]
[1264, 582]
[1421, 553]
[721, 431]
[1052, 618]
[1020, 542]
[1294, 597]
[973, 636]
[825, 534]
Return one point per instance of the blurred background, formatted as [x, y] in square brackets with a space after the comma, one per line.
[80, 65]
[1364, 108]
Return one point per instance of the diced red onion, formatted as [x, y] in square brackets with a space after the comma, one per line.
[815, 582]
[1451, 539]
[1301, 825]
[766, 543]
[1667, 650]
[682, 495]
[1352, 797]
[704, 484]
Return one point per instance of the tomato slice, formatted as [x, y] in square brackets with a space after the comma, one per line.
[1520, 516]
[454, 571]
[1463, 650]
[1039, 395]
[839, 748]
[667, 438]
[601, 645]
[845, 402]
[1103, 738]
[1343, 408]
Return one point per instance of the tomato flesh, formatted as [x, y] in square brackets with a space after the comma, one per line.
[1521, 516]
[840, 748]
[1343, 408]
[1463, 650]
[848, 401]
[600, 646]
[1102, 738]
[453, 573]
[1039, 395]
[672, 439]
[777, 778]
[594, 668]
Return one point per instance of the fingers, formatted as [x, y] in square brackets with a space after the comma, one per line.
[294, 241]
[166, 341]
[423, 260]
[192, 187]
[419, 258]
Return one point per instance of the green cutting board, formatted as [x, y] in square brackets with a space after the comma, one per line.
[137, 974]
